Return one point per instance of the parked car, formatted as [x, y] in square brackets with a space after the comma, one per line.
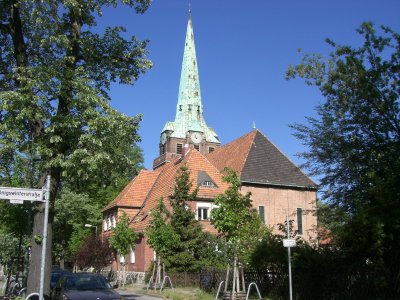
[56, 274]
[84, 286]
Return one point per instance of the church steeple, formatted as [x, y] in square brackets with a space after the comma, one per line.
[189, 126]
[189, 110]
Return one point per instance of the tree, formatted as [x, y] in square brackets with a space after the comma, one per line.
[239, 224]
[123, 238]
[54, 79]
[235, 218]
[71, 212]
[160, 236]
[353, 145]
[185, 255]
[93, 253]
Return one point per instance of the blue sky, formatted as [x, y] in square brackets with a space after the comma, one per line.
[243, 50]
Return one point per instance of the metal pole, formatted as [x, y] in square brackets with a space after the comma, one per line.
[290, 267]
[44, 240]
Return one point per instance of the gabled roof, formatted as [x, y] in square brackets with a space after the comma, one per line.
[149, 187]
[257, 160]
[137, 190]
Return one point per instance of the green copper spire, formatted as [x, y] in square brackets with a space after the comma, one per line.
[189, 110]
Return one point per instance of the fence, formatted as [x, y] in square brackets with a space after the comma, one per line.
[311, 284]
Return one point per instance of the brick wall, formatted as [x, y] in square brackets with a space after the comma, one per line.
[279, 202]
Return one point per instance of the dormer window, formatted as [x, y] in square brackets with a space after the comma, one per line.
[205, 181]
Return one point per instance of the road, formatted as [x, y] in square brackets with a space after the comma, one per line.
[129, 296]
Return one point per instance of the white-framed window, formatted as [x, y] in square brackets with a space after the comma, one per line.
[203, 210]
[203, 213]
[109, 224]
[132, 256]
[207, 183]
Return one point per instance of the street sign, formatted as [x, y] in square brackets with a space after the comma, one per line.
[289, 243]
[13, 201]
[22, 194]
[18, 196]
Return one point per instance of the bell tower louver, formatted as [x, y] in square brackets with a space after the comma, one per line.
[189, 128]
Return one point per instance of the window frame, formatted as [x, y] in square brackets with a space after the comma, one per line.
[299, 214]
[262, 217]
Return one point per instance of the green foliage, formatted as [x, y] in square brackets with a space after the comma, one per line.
[9, 247]
[187, 254]
[56, 68]
[72, 211]
[123, 238]
[354, 146]
[11, 216]
[235, 218]
[160, 233]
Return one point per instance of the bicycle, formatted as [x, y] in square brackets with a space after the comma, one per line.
[15, 288]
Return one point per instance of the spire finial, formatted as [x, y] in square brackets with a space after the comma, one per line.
[190, 10]
[254, 125]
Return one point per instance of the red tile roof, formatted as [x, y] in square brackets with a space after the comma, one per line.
[134, 193]
[234, 154]
[149, 186]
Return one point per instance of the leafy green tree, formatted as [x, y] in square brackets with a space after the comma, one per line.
[55, 73]
[235, 218]
[123, 238]
[354, 147]
[72, 211]
[160, 236]
[240, 225]
[160, 233]
[185, 256]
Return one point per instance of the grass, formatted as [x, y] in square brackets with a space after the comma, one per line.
[187, 294]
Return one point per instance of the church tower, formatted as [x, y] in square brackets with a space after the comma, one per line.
[189, 128]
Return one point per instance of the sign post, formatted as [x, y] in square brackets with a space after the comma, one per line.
[18, 196]
[288, 243]
[46, 189]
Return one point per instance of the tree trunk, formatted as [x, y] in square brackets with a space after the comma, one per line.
[36, 254]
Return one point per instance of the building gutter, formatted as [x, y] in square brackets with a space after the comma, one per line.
[280, 185]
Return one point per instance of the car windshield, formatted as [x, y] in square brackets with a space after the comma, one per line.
[87, 282]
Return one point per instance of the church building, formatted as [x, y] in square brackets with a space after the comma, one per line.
[278, 187]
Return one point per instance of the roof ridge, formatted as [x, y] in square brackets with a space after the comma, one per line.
[249, 146]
